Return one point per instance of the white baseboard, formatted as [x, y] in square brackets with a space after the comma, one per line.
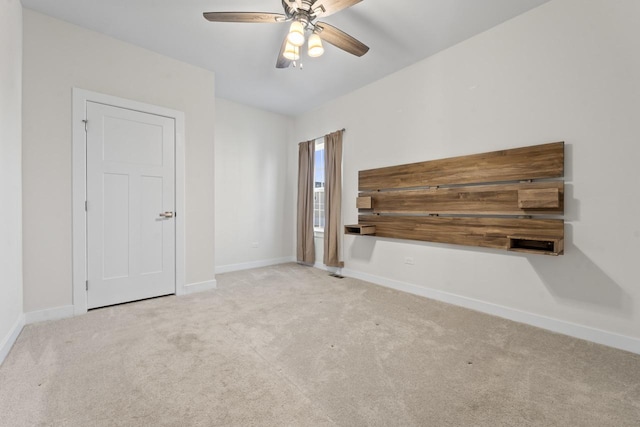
[192, 288]
[49, 314]
[575, 330]
[254, 264]
[7, 342]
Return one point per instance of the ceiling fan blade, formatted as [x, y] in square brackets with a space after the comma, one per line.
[332, 6]
[259, 17]
[283, 62]
[340, 39]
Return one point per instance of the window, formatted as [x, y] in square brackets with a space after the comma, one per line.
[318, 188]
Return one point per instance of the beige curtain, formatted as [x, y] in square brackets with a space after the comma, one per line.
[306, 253]
[333, 199]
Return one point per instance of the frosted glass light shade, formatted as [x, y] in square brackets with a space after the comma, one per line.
[291, 52]
[296, 33]
[315, 46]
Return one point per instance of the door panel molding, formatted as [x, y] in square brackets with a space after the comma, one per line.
[80, 97]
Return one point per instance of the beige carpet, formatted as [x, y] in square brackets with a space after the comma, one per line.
[290, 346]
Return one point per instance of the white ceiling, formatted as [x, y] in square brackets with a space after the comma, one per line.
[243, 56]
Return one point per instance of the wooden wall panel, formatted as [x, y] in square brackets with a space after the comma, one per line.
[485, 200]
[519, 164]
[501, 199]
[469, 231]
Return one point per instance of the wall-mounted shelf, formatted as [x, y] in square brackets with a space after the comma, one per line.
[360, 229]
[487, 200]
[540, 198]
[364, 202]
[536, 245]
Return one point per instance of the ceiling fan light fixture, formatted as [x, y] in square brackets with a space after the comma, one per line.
[301, 16]
[315, 46]
[296, 33]
[291, 52]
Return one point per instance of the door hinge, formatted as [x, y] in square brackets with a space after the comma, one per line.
[86, 205]
[85, 121]
[86, 285]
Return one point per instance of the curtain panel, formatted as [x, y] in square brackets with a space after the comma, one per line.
[333, 199]
[305, 246]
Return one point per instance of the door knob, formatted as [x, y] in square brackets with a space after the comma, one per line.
[166, 214]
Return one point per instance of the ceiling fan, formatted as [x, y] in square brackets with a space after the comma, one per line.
[301, 14]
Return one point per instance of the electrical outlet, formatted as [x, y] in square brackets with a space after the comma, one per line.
[409, 260]
[255, 244]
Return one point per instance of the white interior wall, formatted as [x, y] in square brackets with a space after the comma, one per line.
[57, 57]
[566, 71]
[253, 198]
[10, 173]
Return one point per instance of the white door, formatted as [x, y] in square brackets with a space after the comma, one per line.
[130, 205]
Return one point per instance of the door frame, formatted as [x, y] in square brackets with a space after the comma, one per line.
[80, 97]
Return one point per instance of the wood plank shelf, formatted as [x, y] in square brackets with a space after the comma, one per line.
[360, 229]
